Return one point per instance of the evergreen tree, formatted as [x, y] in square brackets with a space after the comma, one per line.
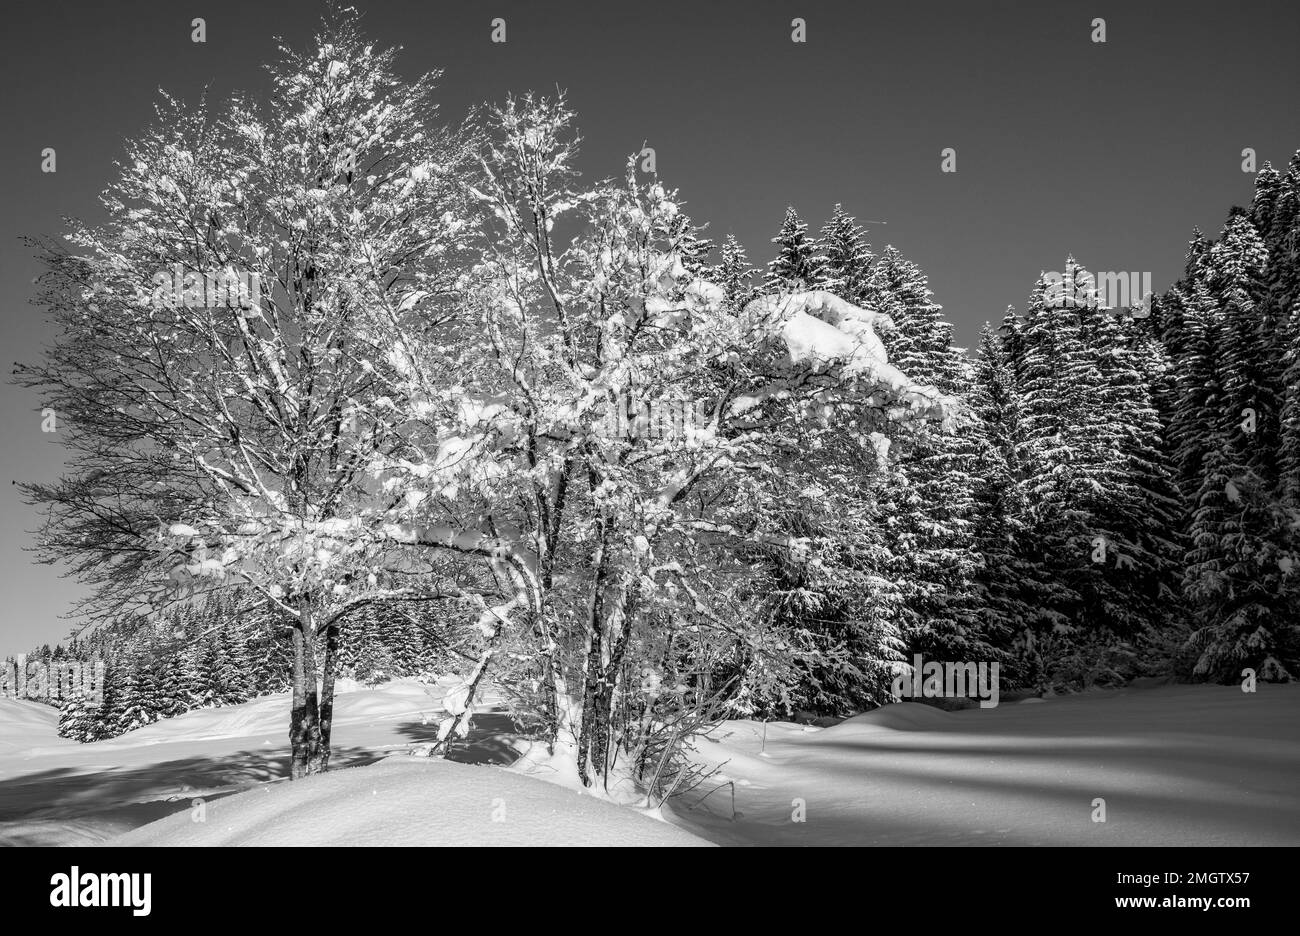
[77, 719]
[1137, 510]
[365, 650]
[132, 702]
[271, 664]
[929, 482]
[691, 249]
[1238, 564]
[1004, 582]
[403, 640]
[1096, 551]
[1251, 355]
[733, 273]
[1283, 284]
[798, 263]
[179, 683]
[838, 602]
[847, 256]
[118, 697]
[1053, 379]
[225, 669]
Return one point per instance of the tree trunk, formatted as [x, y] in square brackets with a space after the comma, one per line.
[304, 714]
[592, 670]
[606, 737]
[328, 667]
[609, 630]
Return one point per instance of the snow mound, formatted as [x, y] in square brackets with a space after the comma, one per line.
[901, 716]
[406, 801]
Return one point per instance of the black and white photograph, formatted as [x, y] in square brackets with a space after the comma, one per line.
[550, 424]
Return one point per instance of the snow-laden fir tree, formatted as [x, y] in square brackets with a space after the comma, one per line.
[848, 258]
[1283, 239]
[1005, 589]
[1098, 542]
[693, 249]
[798, 263]
[733, 274]
[78, 719]
[1240, 554]
[927, 480]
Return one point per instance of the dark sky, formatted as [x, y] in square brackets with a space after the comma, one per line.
[1111, 152]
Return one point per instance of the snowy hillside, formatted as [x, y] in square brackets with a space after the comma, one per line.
[412, 802]
[1175, 765]
[27, 725]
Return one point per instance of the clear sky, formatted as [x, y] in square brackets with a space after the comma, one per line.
[1112, 152]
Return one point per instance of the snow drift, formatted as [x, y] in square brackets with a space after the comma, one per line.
[411, 802]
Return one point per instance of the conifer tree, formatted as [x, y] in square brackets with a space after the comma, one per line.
[733, 273]
[179, 681]
[77, 720]
[1240, 554]
[929, 485]
[125, 712]
[847, 256]
[798, 263]
[1004, 581]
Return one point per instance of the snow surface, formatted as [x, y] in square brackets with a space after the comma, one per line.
[25, 725]
[412, 801]
[1176, 765]
[54, 791]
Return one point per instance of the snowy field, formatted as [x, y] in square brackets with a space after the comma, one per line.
[1178, 765]
[1175, 765]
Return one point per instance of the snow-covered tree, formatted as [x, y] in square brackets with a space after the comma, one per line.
[77, 719]
[226, 438]
[798, 263]
[733, 274]
[631, 528]
[431, 398]
[927, 488]
[1232, 434]
[693, 249]
[1004, 589]
[848, 258]
[1095, 548]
